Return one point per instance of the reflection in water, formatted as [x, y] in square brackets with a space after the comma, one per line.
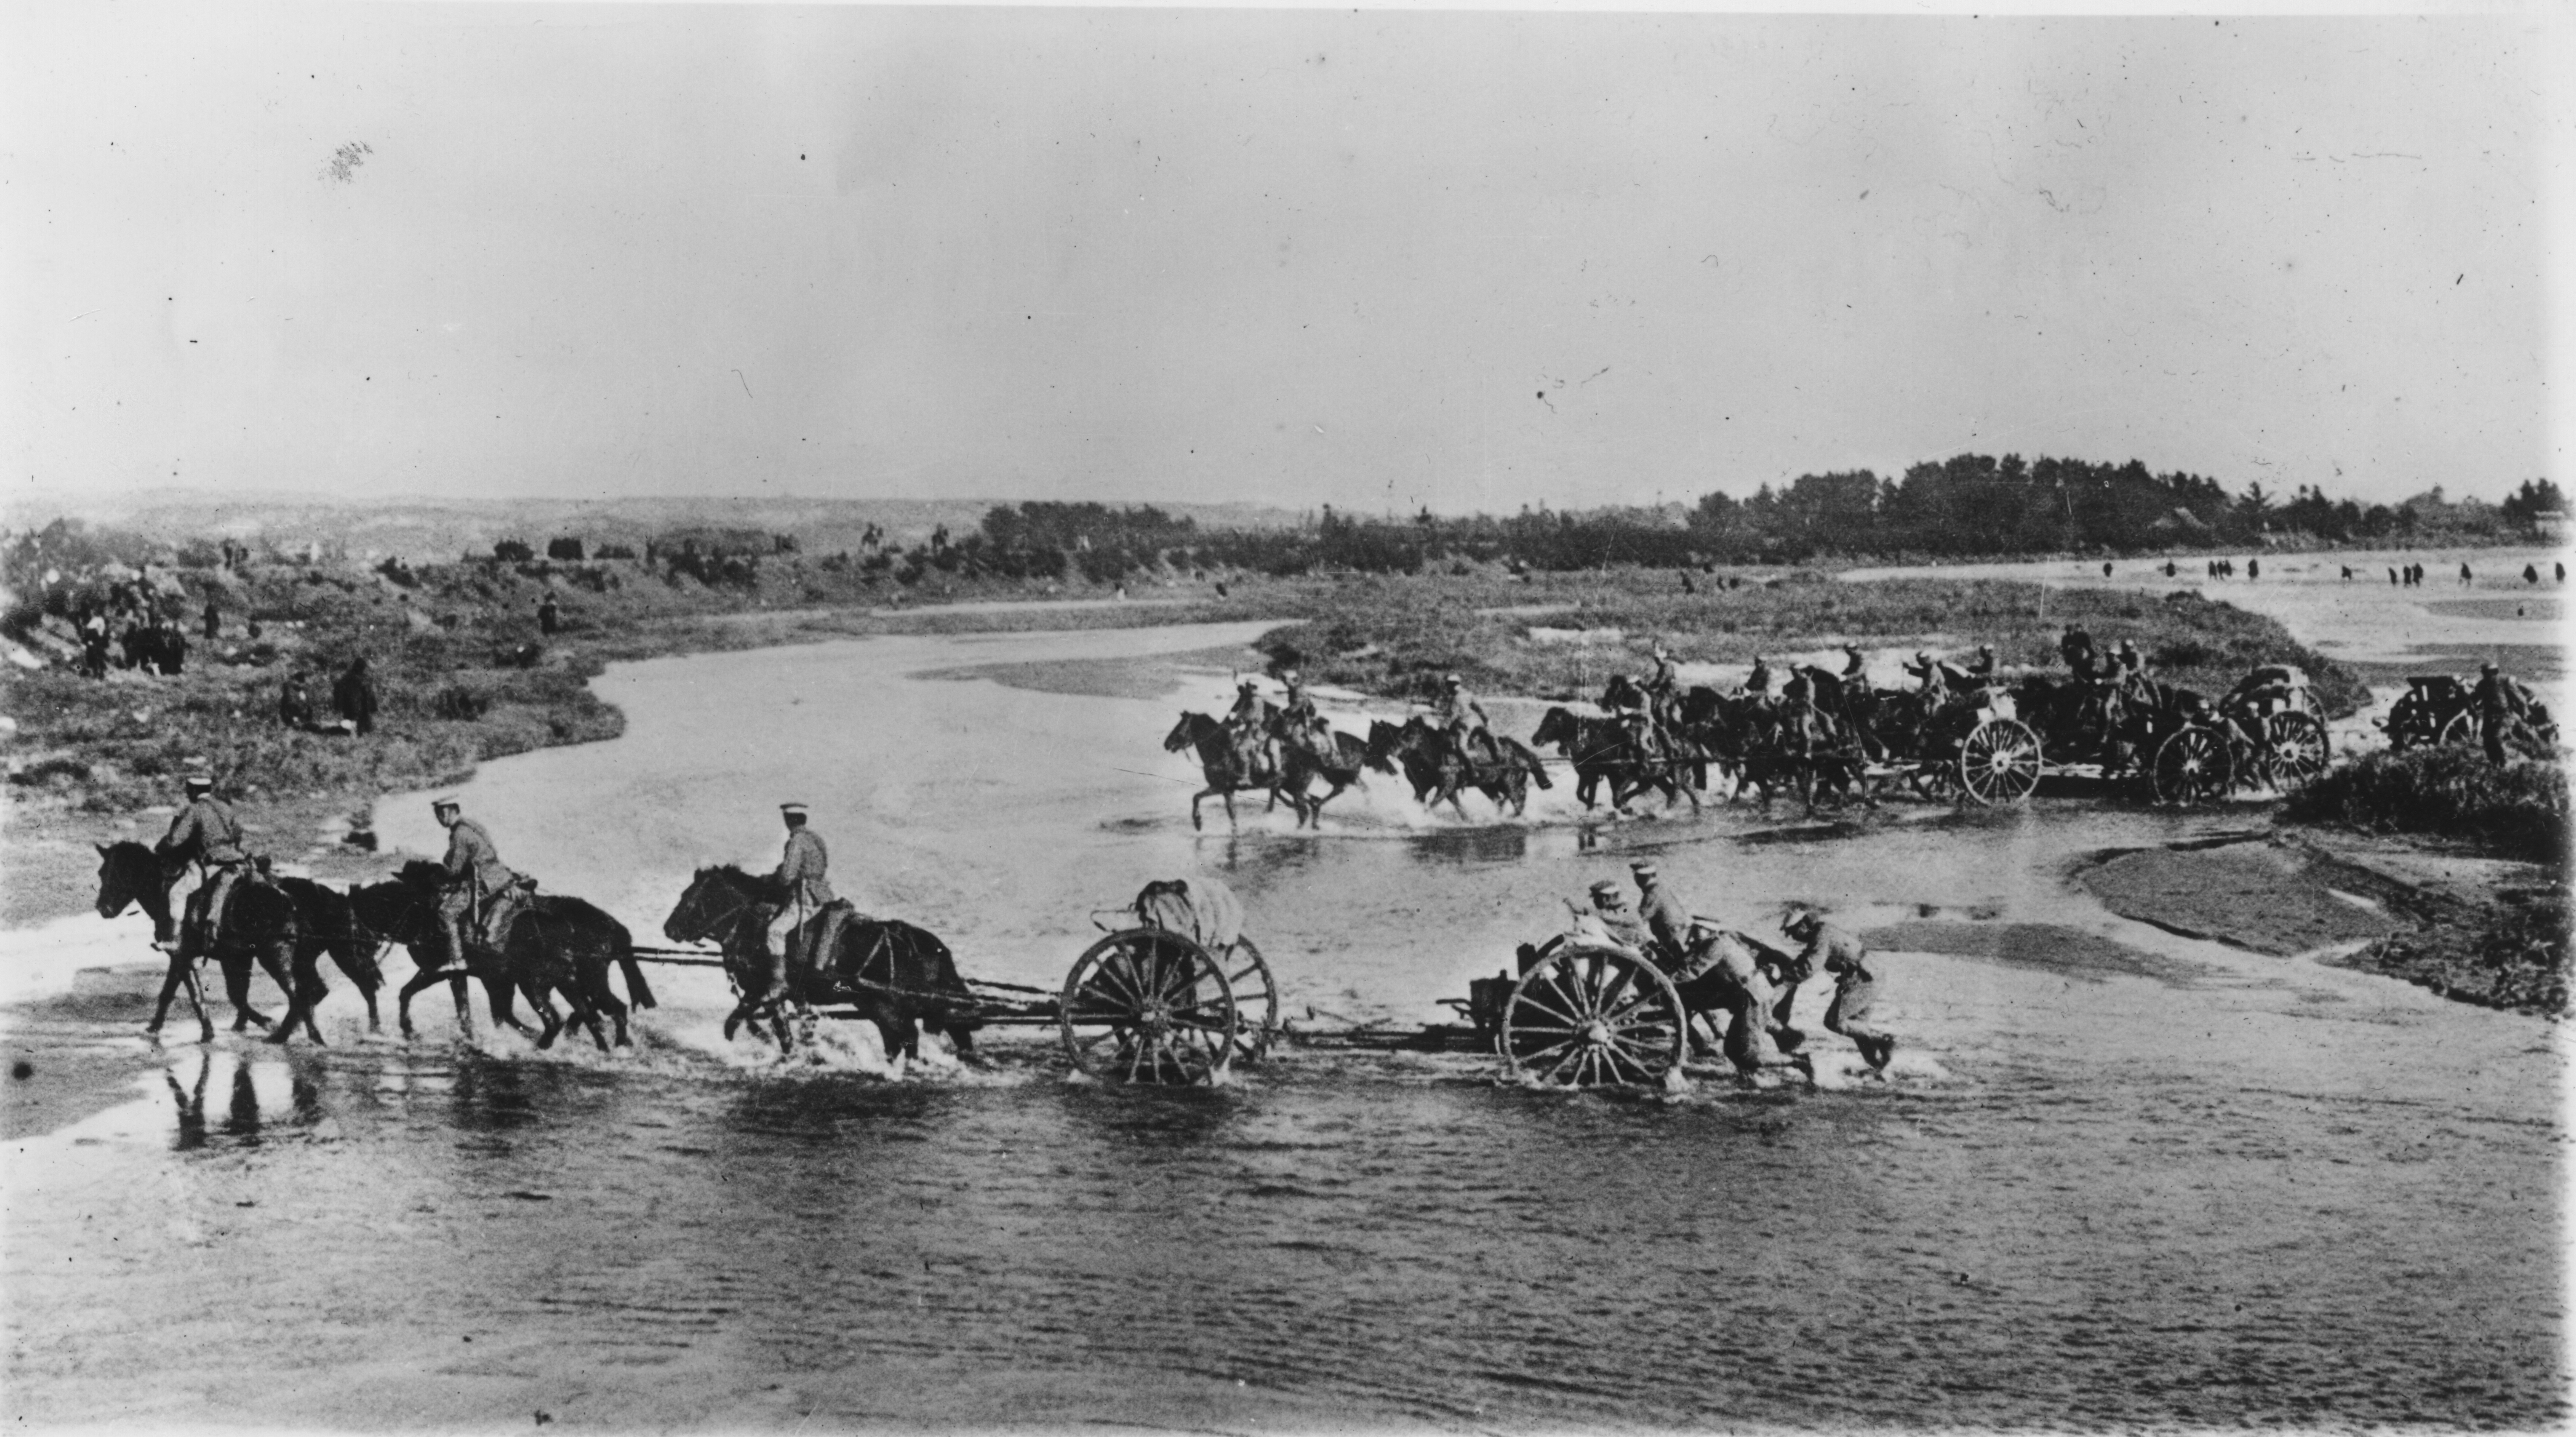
[1473, 845]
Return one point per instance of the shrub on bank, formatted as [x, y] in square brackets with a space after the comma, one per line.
[2519, 811]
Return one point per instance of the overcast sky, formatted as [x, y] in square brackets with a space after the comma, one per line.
[1470, 260]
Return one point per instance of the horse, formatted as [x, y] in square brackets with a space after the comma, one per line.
[1222, 764]
[258, 925]
[556, 944]
[325, 923]
[1600, 748]
[900, 977]
[1437, 770]
[394, 912]
[1302, 760]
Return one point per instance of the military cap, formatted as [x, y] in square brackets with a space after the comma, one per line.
[792, 810]
[1605, 889]
[1451, 679]
[1642, 867]
[2488, 667]
[444, 800]
[200, 781]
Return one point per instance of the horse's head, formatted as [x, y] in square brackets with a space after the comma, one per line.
[714, 898]
[1556, 727]
[1185, 734]
[393, 911]
[129, 873]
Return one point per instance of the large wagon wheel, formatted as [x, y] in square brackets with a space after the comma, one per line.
[2458, 730]
[1148, 1006]
[1256, 1002]
[2411, 723]
[1999, 761]
[2193, 767]
[2296, 742]
[1586, 1016]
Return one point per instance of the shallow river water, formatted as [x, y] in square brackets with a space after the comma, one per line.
[2120, 1177]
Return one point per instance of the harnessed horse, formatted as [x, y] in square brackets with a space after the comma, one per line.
[258, 925]
[1438, 770]
[898, 976]
[1221, 762]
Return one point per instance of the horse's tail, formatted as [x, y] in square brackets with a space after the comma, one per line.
[639, 994]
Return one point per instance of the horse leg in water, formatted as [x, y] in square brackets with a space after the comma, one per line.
[364, 972]
[535, 990]
[182, 974]
[602, 999]
[303, 994]
[236, 968]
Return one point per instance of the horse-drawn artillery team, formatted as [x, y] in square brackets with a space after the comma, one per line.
[1175, 992]
[1958, 731]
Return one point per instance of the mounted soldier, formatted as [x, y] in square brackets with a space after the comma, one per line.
[1854, 666]
[1663, 685]
[1982, 668]
[2131, 668]
[1249, 724]
[481, 890]
[1935, 684]
[1758, 682]
[204, 839]
[1463, 721]
[803, 889]
[1299, 720]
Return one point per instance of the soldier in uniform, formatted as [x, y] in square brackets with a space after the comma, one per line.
[1758, 683]
[1663, 684]
[294, 703]
[549, 617]
[803, 889]
[2499, 705]
[2135, 686]
[1853, 665]
[1982, 668]
[2076, 647]
[355, 696]
[1300, 716]
[1935, 686]
[1463, 720]
[480, 888]
[1855, 987]
[1616, 920]
[1667, 918]
[1249, 720]
[206, 839]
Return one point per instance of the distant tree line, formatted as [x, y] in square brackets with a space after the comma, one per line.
[1973, 505]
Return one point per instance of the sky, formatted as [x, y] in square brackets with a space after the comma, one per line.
[1463, 259]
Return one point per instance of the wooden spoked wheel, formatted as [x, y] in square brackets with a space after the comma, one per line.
[1999, 761]
[1256, 1002]
[2412, 724]
[1145, 1006]
[2461, 729]
[2296, 742]
[1586, 1017]
[2193, 767]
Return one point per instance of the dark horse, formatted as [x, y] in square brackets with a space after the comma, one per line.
[1302, 760]
[257, 926]
[897, 976]
[325, 924]
[407, 913]
[1438, 771]
[1600, 748]
[1224, 767]
[556, 944]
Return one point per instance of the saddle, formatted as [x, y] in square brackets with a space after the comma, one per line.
[822, 935]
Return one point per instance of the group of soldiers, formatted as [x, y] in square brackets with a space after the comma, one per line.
[353, 697]
[135, 624]
[1760, 986]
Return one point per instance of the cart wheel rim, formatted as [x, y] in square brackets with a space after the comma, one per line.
[1999, 762]
[2298, 744]
[1591, 1017]
[1145, 1006]
[1256, 1002]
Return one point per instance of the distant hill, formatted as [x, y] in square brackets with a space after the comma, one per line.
[423, 529]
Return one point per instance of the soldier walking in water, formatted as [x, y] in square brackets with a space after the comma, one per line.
[206, 840]
[1855, 987]
[804, 887]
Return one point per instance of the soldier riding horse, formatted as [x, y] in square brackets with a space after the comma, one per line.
[900, 977]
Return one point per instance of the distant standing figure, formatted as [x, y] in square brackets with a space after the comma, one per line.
[2464, 575]
[2169, 568]
[2530, 575]
[295, 703]
[2253, 569]
[214, 621]
[1687, 586]
[355, 696]
[2562, 573]
[549, 617]
[2392, 578]
[2347, 573]
[2106, 568]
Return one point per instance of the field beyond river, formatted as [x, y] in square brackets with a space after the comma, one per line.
[2120, 1176]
